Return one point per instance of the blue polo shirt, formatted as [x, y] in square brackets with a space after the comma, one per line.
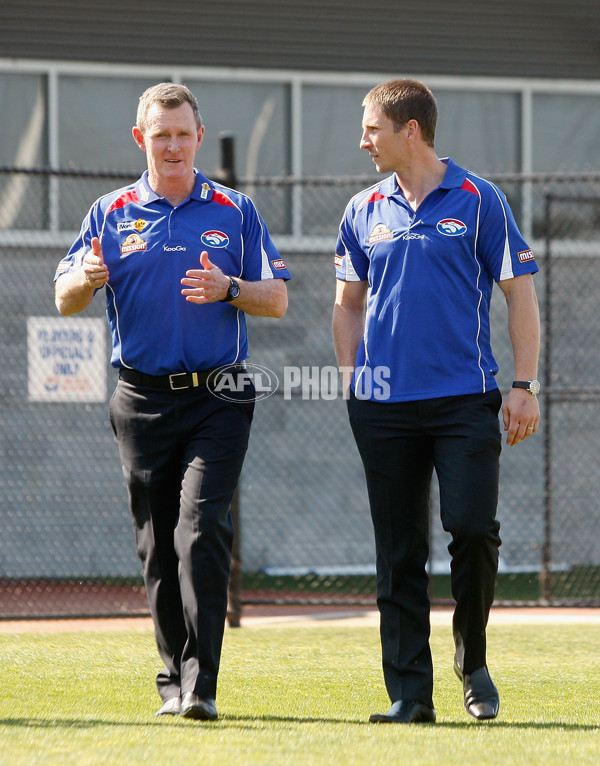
[430, 274]
[148, 245]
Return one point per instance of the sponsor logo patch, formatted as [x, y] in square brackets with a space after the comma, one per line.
[214, 239]
[138, 225]
[338, 260]
[278, 264]
[174, 248]
[525, 255]
[379, 234]
[132, 244]
[451, 227]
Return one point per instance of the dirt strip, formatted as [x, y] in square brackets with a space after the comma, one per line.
[281, 617]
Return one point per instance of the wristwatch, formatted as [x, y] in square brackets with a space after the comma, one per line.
[532, 386]
[233, 291]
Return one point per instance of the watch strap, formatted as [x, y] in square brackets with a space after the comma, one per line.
[233, 290]
[532, 386]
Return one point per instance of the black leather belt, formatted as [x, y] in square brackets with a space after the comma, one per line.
[176, 381]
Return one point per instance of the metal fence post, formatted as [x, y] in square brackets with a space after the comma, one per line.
[545, 572]
[234, 600]
[226, 175]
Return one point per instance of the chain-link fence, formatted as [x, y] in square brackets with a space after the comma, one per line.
[67, 545]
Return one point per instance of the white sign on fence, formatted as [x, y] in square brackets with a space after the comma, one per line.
[66, 359]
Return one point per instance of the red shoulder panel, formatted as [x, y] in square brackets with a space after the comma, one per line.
[124, 199]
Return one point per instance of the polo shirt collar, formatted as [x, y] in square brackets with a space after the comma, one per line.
[203, 188]
[202, 191]
[455, 175]
[389, 186]
[144, 192]
[453, 179]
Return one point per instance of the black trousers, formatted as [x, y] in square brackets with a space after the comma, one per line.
[182, 454]
[400, 445]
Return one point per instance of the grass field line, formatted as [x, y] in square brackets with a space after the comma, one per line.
[498, 616]
[279, 618]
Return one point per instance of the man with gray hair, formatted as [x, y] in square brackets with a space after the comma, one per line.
[182, 260]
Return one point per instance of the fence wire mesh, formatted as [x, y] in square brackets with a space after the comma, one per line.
[304, 530]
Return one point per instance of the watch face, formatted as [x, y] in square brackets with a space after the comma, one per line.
[534, 387]
[234, 290]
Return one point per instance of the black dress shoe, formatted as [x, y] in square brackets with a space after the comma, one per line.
[170, 707]
[200, 708]
[482, 701]
[406, 711]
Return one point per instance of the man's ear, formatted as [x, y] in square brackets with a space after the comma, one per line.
[412, 128]
[138, 137]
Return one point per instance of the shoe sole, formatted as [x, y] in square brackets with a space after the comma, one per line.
[384, 719]
[482, 717]
[198, 714]
[169, 709]
[422, 717]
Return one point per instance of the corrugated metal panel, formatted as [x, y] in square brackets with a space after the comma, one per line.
[506, 38]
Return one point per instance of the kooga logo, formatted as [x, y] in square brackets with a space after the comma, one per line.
[174, 248]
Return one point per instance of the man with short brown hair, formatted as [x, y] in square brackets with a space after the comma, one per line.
[416, 259]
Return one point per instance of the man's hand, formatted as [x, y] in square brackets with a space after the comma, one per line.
[521, 414]
[262, 298]
[95, 271]
[205, 285]
[74, 290]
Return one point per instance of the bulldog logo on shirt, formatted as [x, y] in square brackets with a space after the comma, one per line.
[214, 238]
[451, 227]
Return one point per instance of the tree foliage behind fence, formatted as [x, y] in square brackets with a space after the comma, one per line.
[67, 544]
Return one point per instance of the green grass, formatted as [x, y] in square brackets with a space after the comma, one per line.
[295, 695]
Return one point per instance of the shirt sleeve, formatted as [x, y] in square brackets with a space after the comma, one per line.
[500, 243]
[82, 245]
[261, 259]
[351, 261]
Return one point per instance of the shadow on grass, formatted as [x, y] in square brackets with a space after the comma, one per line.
[233, 721]
[438, 725]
